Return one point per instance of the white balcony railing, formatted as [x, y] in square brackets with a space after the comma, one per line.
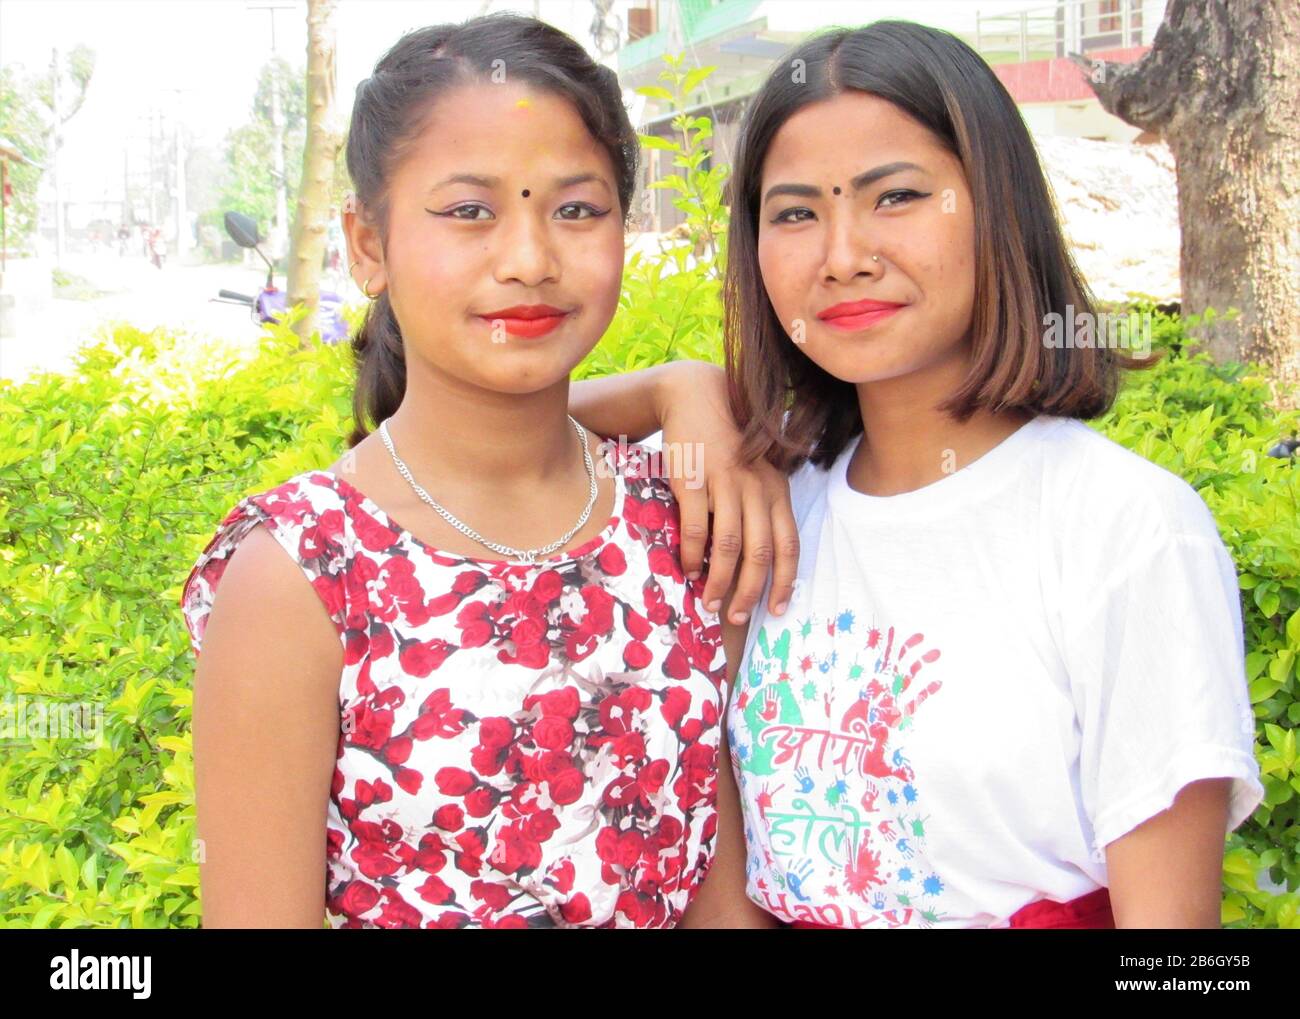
[1071, 26]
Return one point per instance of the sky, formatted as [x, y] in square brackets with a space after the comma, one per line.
[213, 49]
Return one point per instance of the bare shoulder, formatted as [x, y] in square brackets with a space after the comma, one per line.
[344, 463]
[265, 731]
[357, 461]
[265, 613]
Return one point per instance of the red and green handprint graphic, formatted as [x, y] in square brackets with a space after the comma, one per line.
[835, 820]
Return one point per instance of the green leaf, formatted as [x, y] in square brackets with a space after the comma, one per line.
[1232, 908]
[1263, 688]
[67, 868]
[89, 875]
[1279, 669]
[651, 141]
[1266, 597]
[655, 92]
[696, 77]
[1277, 792]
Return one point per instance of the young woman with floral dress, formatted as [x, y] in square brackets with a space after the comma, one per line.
[393, 726]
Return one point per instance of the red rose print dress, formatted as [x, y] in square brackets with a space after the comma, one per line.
[521, 745]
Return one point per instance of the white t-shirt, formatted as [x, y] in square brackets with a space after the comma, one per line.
[980, 683]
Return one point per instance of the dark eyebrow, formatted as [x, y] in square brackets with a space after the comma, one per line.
[466, 178]
[490, 182]
[582, 178]
[858, 182]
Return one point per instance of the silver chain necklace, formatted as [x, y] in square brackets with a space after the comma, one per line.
[526, 556]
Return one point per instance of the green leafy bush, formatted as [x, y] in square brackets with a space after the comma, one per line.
[671, 305]
[112, 478]
[1212, 425]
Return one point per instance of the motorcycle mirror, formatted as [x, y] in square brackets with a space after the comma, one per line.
[242, 229]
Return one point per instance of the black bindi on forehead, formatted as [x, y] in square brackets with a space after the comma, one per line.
[525, 192]
[835, 189]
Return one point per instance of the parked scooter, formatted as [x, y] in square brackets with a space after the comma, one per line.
[269, 304]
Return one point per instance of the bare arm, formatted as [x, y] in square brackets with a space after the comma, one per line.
[266, 730]
[1168, 871]
[626, 404]
[721, 901]
[746, 507]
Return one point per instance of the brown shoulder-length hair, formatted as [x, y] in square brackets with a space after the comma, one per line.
[1023, 269]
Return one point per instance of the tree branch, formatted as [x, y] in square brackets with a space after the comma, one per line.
[1136, 93]
[1147, 92]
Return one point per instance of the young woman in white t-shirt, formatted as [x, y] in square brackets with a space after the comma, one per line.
[1008, 688]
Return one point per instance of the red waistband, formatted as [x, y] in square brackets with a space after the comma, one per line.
[1087, 912]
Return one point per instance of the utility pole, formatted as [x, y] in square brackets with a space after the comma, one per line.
[280, 231]
[54, 161]
[183, 235]
[153, 166]
[184, 238]
[138, 174]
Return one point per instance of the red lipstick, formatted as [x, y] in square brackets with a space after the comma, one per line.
[527, 320]
[852, 316]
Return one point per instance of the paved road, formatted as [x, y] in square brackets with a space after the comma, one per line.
[49, 330]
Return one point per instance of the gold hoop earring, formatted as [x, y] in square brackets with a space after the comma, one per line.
[365, 287]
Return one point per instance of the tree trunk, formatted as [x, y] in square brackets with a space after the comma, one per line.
[1221, 85]
[324, 137]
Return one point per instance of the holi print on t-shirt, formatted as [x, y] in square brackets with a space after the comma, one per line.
[833, 811]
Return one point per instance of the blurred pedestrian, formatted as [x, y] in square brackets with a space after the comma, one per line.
[157, 247]
[334, 245]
